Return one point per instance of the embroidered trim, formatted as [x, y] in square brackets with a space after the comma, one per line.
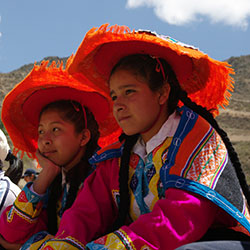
[108, 154]
[14, 210]
[66, 243]
[125, 239]
[196, 152]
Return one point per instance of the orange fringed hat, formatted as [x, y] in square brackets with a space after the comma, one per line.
[45, 84]
[207, 81]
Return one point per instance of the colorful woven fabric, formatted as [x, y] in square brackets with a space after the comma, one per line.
[172, 185]
[44, 84]
[207, 81]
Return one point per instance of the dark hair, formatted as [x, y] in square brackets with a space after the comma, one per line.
[15, 169]
[145, 66]
[71, 111]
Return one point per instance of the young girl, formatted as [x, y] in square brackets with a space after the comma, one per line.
[173, 178]
[54, 118]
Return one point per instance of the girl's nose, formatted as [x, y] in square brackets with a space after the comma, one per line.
[47, 142]
[118, 105]
[46, 139]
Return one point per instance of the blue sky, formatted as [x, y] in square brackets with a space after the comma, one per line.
[31, 30]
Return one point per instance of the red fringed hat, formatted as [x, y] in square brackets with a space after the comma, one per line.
[45, 84]
[207, 81]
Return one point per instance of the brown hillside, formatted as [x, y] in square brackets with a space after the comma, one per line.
[235, 120]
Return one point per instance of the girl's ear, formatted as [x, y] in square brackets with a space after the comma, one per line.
[86, 135]
[164, 94]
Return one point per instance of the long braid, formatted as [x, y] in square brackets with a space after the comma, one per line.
[182, 96]
[54, 194]
[123, 180]
[75, 178]
[231, 151]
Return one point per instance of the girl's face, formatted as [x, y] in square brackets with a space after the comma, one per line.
[137, 108]
[58, 141]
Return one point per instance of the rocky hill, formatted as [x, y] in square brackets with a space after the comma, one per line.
[235, 120]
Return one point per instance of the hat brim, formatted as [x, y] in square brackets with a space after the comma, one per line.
[93, 100]
[207, 81]
[125, 48]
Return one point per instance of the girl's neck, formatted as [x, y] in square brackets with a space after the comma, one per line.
[74, 160]
[163, 116]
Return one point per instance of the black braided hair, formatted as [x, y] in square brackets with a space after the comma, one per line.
[15, 169]
[203, 112]
[145, 66]
[129, 142]
[71, 111]
[55, 192]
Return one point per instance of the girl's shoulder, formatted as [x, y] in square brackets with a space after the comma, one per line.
[111, 151]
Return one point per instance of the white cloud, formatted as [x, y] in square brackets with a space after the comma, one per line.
[180, 12]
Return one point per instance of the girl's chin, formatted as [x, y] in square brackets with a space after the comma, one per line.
[57, 163]
[129, 132]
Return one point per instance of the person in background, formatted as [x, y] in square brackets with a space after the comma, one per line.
[30, 175]
[15, 169]
[8, 190]
[61, 123]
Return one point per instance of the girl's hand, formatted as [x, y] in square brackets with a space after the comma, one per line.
[49, 172]
[45, 163]
[7, 245]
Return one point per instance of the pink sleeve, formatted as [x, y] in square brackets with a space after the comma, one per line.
[178, 219]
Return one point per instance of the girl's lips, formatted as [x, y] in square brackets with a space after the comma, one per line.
[123, 118]
[46, 154]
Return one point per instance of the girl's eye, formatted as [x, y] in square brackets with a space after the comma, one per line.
[113, 97]
[40, 132]
[129, 91]
[55, 129]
